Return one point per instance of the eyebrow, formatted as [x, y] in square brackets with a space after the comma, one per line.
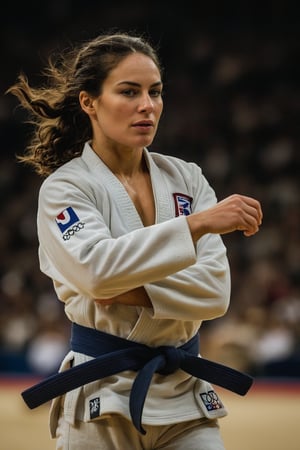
[132, 83]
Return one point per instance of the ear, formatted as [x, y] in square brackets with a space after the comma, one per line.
[86, 102]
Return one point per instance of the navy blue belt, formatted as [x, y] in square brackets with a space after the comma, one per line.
[113, 354]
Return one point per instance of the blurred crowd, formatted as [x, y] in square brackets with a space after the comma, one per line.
[232, 104]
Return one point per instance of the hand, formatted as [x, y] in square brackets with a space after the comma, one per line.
[237, 212]
[135, 297]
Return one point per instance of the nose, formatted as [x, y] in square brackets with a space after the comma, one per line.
[146, 104]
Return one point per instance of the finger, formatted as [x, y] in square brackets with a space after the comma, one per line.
[254, 213]
[249, 220]
[250, 226]
[255, 204]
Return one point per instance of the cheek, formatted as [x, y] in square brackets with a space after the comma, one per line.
[123, 111]
[119, 114]
[159, 108]
[114, 121]
[112, 114]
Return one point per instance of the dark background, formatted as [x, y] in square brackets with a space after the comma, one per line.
[232, 101]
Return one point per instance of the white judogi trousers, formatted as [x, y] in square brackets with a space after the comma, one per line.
[117, 433]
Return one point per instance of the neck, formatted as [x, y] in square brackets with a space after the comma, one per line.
[122, 162]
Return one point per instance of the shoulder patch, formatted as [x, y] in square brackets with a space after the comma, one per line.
[66, 219]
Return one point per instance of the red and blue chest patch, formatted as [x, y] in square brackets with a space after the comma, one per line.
[183, 204]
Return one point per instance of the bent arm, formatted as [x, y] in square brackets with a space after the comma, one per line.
[94, 263]
[199, 292]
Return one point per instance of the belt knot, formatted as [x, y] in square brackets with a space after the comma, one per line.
[173, 358]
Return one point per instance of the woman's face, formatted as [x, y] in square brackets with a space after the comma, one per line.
[127, 112]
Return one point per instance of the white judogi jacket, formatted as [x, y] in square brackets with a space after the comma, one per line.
[94, 245]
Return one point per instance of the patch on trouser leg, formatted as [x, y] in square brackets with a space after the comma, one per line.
[211, 401]
[94, 405]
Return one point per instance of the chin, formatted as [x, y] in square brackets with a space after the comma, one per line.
[145, 142]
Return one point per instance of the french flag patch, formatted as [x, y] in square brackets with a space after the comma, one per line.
[183, 204]
[66, 219]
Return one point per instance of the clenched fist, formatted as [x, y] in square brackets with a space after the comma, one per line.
[236, 212]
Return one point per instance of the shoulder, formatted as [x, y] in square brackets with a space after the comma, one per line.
[187, 174]
[173, 162]
[67, 178]
[75, 171]
[65, 172]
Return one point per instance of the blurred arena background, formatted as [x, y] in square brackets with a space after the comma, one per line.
[232, 104]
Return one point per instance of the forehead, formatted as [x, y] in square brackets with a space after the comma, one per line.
[135, 67]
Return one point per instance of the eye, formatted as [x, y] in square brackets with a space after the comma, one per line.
[155, 92]
[129, 92]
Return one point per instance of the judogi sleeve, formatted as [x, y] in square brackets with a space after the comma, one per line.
[93, 263]
[200, 291]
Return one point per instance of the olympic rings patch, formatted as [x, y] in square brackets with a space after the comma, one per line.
[72, 230]
[211, 401]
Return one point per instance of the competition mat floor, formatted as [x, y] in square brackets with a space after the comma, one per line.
[267, 418]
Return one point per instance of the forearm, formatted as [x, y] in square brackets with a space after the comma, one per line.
[200, 292]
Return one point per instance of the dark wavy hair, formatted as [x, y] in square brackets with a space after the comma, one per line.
[60, 126]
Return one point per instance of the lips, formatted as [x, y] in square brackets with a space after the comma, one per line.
[143, 124]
